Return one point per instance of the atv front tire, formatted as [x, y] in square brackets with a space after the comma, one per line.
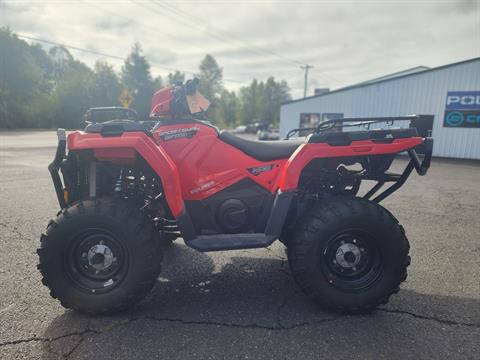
[348, 254]
[99, 256]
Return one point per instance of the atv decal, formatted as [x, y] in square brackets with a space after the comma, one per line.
[260, 169]
[182, 133]
[202, 187]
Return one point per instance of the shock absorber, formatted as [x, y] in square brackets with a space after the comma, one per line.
[118, 184]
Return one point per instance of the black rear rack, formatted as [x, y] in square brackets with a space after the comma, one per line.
[338, 124]
[421, 166]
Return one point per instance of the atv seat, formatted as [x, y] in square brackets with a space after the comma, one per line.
[262, 150]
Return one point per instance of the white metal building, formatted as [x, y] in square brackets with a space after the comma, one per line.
[447, 97]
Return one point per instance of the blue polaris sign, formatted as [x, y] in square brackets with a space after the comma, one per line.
[462, 109]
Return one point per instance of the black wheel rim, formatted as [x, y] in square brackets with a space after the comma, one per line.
[351, 261]
[96, 262]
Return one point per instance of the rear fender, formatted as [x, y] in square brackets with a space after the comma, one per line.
[309, 151]
[123, 149]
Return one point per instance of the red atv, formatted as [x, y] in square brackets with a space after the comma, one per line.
[128, 189]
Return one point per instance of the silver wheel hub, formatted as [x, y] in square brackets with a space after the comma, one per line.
[100, 257]
[348, 255]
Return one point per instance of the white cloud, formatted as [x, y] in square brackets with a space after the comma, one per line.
[350, 41]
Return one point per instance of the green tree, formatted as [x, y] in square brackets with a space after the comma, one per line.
[45, 63]
[250, 101]
[61, 60]
[23, 84]
[73, 95]
[261, 101]
[137, 79]
[175, 77]
[211, 87]
[210, 78]
[274, 94]
[106, 85]
[158, 83]
[226, 109]
[39, 89]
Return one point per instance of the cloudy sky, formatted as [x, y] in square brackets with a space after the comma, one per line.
[346, 41]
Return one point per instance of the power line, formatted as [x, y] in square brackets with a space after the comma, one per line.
[69, 46]
[251, 47]
[156, 31]
[227, 38]
[72, 47]
[152, 29]
[168, 34]
[195, 20]
[116, 57]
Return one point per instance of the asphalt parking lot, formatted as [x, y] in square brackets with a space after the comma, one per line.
[244, 304]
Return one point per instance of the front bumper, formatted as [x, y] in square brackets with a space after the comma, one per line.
[54, 167]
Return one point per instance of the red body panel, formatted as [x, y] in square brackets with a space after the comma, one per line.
[307, 152]
[208, 165]
[193, 163]
[145, 147]
[161, 102]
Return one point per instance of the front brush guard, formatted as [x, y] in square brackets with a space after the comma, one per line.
[54, 167]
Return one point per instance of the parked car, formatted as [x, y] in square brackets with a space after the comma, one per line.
[240, 129]
[268, 134]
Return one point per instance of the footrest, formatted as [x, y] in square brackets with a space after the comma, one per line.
[230, 242]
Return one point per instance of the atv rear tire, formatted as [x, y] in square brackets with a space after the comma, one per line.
[99, 256]
[348, 254]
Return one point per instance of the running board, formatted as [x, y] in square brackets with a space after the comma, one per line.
[230, 242]
[219, 242]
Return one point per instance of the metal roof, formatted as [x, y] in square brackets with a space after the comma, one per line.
[385, 78]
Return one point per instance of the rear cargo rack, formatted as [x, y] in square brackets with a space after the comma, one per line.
[334, 124]
[421, 166]
[330, 132]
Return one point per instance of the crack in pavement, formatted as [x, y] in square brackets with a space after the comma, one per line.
[431, 318]
[89, 331]
[75, 347]
[240, 326]
[48, 340]
[83, 334]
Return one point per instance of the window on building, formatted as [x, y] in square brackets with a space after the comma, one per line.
[308, 120]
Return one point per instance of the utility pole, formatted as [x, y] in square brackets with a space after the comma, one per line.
[306, 68]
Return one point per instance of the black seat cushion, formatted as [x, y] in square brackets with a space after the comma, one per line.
[262, 150]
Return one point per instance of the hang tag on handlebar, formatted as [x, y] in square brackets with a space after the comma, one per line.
[197, 103]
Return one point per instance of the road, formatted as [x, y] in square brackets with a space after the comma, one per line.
[244, 304]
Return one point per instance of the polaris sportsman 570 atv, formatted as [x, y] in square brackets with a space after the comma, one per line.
[128, 188]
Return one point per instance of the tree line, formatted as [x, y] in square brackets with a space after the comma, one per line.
[49, 89]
